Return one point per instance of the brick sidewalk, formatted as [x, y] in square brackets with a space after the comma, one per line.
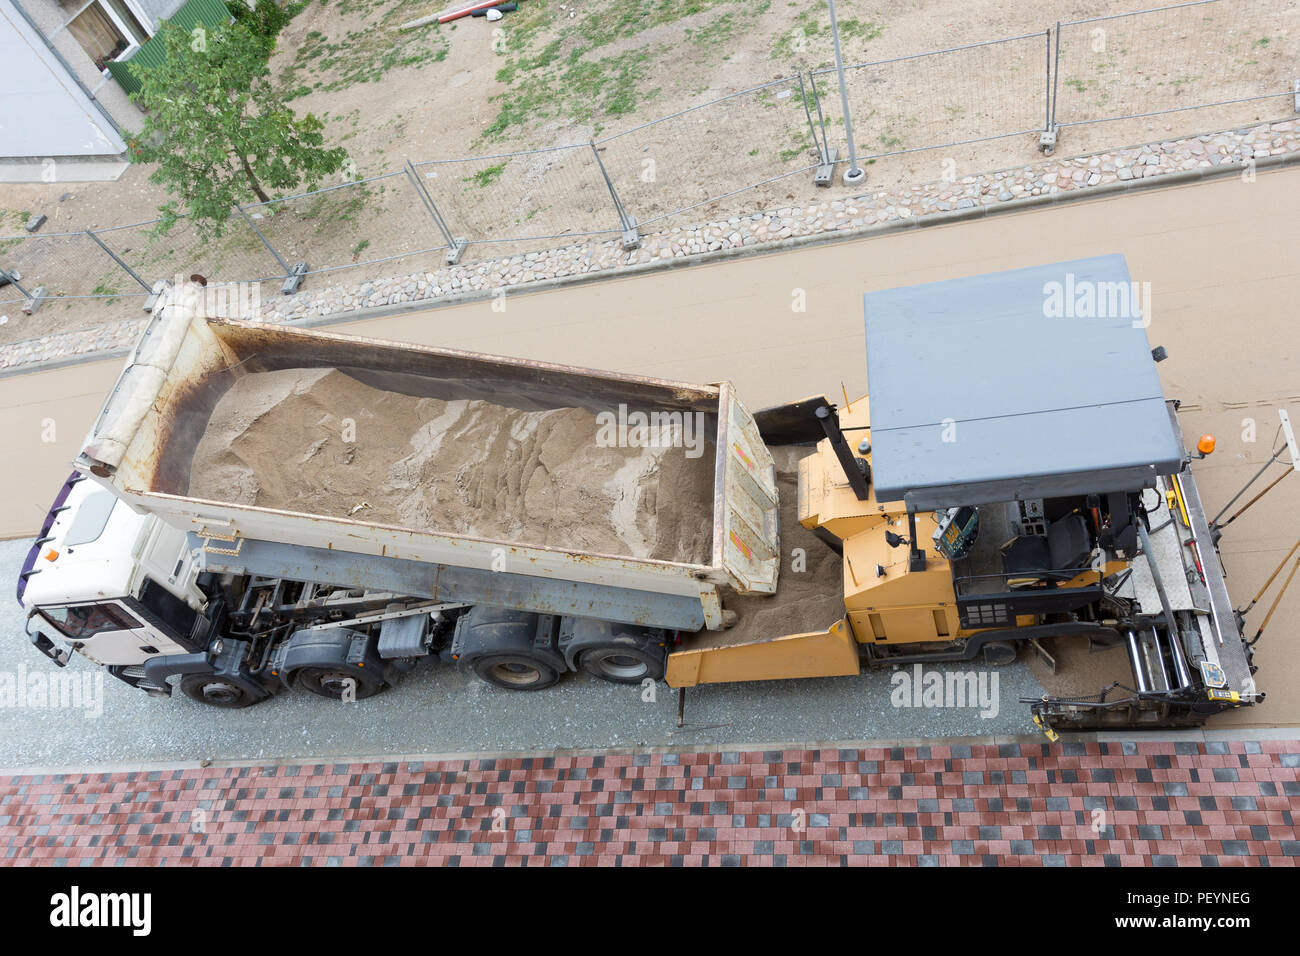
[1197, 803]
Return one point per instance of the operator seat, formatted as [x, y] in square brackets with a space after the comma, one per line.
[1069, 543]
[1056, 556]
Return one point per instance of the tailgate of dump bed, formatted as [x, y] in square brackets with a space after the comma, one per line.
[746, 539]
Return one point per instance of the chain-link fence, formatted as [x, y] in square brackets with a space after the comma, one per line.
[522, 201]
[1192, 56]
[353, 226]
[1221, 63]
[966, 94]
[761, 135]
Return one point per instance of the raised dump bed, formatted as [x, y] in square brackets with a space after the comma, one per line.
[256, 437]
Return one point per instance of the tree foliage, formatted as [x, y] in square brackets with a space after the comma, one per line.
[266, 19]
[218, 130]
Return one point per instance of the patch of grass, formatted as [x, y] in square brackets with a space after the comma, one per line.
[486, 176]
[364, 55]
[814, 22]
[557, 69]
[360, 247]
[576, 90]
[718, 30]
[12, 221]
[105, 289]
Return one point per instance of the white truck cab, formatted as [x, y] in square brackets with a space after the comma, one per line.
[113, 585]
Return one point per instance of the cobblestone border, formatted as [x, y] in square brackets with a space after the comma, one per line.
[862, 215]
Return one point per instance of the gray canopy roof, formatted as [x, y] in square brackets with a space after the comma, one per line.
[1030, 383]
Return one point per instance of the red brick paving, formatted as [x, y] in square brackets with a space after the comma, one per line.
[1088, 804]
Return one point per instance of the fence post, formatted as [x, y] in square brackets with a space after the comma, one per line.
[455, 247]
[626, 222]
[292, 276]
[825, 155]
[853, 175]
[1047, 141]
[114, 256]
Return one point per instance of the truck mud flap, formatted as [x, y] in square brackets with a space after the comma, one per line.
[794, 423]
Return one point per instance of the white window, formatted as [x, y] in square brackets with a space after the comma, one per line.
[106, 29]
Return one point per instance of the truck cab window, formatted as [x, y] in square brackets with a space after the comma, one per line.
[81, 621]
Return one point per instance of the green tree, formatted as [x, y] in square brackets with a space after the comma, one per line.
[266, 19]
[218, 130]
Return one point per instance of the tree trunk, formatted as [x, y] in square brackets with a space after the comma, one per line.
[257, 187]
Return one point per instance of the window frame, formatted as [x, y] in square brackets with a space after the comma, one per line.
[127, 34]
[117, 609]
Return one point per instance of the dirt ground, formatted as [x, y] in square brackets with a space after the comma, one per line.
[554, 74]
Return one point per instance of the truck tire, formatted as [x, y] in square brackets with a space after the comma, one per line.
[332, 682]
[216, 691]
[622, 663]
[515, 671]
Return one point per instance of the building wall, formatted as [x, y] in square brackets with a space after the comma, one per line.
[43, 112]
[50, 18]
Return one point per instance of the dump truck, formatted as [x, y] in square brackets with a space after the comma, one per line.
[1014, 478]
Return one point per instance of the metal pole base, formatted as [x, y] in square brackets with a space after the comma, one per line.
[854, 176]
[1047, 140]
[293, 281]
[32, 304]
[825, 174]
[456, 251]
[631, 236]
[155, 294]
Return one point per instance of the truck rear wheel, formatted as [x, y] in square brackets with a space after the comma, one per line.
[334, 684]
[515, 671]
[217, 691]
[622, 664]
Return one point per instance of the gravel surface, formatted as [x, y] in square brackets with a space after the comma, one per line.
[435, 709]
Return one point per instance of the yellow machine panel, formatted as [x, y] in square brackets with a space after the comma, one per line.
[828, 653]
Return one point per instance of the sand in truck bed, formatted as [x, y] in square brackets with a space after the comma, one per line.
[321, 442]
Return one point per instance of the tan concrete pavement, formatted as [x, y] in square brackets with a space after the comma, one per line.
[1220, 257]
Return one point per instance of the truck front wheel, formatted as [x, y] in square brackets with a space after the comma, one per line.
[217, 691]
